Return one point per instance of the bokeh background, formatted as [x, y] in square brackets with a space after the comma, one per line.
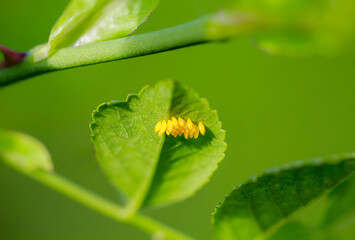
[275, 110]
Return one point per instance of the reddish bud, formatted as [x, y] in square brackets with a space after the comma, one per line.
[11, 57]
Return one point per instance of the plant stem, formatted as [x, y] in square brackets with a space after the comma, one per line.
[105, 207]
[128, 47]
[206, 29]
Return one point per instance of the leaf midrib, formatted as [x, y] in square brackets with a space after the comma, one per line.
[143, 191]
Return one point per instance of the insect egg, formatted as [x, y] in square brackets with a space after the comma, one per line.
[180, 127]
[181, 122]
[186, 134]
[163, 128]
[158, 126]
[201, 128]
[180, 131]
[191, 134]
[175, 122]
[169, 127]
[189, 123]
[196, 132]
[174, 133]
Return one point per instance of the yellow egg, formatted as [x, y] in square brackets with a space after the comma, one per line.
[202, 128]
[186, 134]
[196, 132]
[180, 131]
[163, 126]
[191, 134]
[161, 132]
[158, 127]
[181, 122]
[189, 124]
[175, 122]
[169, 127]
[178, 127]
[193, 128]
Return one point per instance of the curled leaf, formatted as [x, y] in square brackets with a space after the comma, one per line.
[87, 21]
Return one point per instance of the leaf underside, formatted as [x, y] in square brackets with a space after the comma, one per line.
[340, 213]
[149, 170]
[330, 218]
[261, 206]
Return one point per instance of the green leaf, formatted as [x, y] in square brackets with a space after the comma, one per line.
[332, 218]
[149, 170]
[342, 201]
[87, 21]
[294, 230]
[297, 27]
[262, 205]
[341, 211]
[23, 152]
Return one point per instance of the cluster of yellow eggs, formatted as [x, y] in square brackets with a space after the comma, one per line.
[180, 127]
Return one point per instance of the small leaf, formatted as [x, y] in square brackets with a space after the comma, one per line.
[147, 169]
[261, 206]
[87, 21]
[24, 152]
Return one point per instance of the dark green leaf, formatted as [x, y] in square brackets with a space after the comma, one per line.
[341, 211]
[151, 170]
[261, 206]
[342, 202]
[23, 152]
[332, 218]
[293, 231]
[86, 21]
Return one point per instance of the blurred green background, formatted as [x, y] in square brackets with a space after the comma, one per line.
[275, 110]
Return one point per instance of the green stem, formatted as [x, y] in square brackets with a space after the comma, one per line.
[206, 29]
[105, 207]
[128, 47]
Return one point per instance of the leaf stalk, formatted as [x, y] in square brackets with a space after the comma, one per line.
[103, 206]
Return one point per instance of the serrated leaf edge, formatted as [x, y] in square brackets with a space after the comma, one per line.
[129, 96]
